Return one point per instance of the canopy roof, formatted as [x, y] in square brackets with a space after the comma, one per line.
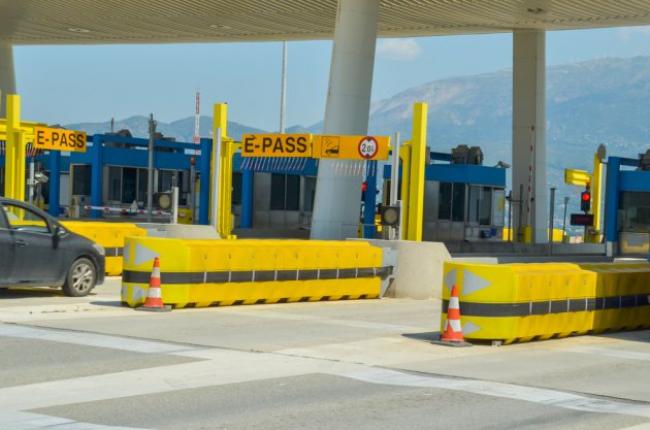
[172, 21]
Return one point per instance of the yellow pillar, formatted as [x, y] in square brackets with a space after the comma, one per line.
[418, 146]
[405, 156]
[15, 152]
[596, 197]
[224, 175]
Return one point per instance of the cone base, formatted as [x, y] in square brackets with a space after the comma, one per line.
[454, 343]
[165, 308]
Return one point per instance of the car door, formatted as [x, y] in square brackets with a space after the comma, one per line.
[6, 251]
[36, 261]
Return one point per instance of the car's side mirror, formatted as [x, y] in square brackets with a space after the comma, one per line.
[56, 236]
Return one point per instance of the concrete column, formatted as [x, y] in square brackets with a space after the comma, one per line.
[337, 203]
[7, 76]
[529, 132]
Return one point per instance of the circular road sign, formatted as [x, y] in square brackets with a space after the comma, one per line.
[368, 147]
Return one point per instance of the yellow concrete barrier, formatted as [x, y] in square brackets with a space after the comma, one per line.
[110, 235]
[522, 302]
[200, 273]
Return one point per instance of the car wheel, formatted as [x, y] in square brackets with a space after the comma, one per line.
[81, 278]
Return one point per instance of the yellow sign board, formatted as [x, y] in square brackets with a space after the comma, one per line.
[306, 145]
[351, 147]
[577, 177]
[59, 140]
[276, 145]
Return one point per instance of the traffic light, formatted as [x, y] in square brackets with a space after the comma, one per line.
[585, 201]
[364, 188]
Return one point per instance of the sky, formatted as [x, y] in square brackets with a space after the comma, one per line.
[69, 84]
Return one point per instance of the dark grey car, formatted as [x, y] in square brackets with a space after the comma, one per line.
[37, 251]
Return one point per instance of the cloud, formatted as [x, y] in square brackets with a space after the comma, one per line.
[627, 33]
[398, 49]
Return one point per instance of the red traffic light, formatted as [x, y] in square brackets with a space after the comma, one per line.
[364, 187]
[585, 203]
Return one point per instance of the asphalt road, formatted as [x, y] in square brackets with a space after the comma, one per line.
[90, 364]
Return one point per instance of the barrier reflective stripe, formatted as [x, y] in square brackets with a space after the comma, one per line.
[470, 309]
[114, 252]
[138, 277]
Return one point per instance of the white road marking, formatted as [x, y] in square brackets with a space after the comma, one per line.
[609, 352]
[228, 367]
[278, 314]
[92, 339]
[542, 396]
[32, 421]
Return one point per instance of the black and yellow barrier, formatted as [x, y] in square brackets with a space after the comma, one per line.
[110, 235]
[523, 302]
[201, 273]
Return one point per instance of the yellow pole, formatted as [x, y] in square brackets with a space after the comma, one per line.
[405, 156]
[417, 172]
[596, 196]
[15, 151]
[228, 147]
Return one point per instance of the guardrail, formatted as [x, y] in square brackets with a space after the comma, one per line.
[523, 302]
[201, 273]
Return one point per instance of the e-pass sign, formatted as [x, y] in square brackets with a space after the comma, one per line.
[59, 140]
[276, 145]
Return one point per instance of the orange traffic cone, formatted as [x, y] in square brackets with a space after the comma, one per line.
[453, 331]
[154, 301]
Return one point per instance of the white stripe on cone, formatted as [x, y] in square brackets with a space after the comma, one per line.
[154, 293]
[454, 303]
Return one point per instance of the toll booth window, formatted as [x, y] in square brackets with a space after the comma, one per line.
[129, 184]
[115, 184]
[285, 192]
[452, 202]
[635, 208]
[81, 179]
[444, 209]
[236, 188]
[480, 205]
[458, 202]
[143, 182]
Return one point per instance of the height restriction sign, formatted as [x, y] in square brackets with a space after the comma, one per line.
[368, 147]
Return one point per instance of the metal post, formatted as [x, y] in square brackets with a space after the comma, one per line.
[174, 216]
[394, 182]
[551, 216]
[32, 181]
[511, 234]
[283, 88]
[193, 192]
[204, 184]
[150, 149]
[520, 201]
[96, 179]
[55, 183]
[214, 219]
[566, 204]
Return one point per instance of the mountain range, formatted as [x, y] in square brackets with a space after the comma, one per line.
[588, 103]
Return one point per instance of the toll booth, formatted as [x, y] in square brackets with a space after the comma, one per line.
[627, 206]
[273, 194]
[106, 180]
[461, 201]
